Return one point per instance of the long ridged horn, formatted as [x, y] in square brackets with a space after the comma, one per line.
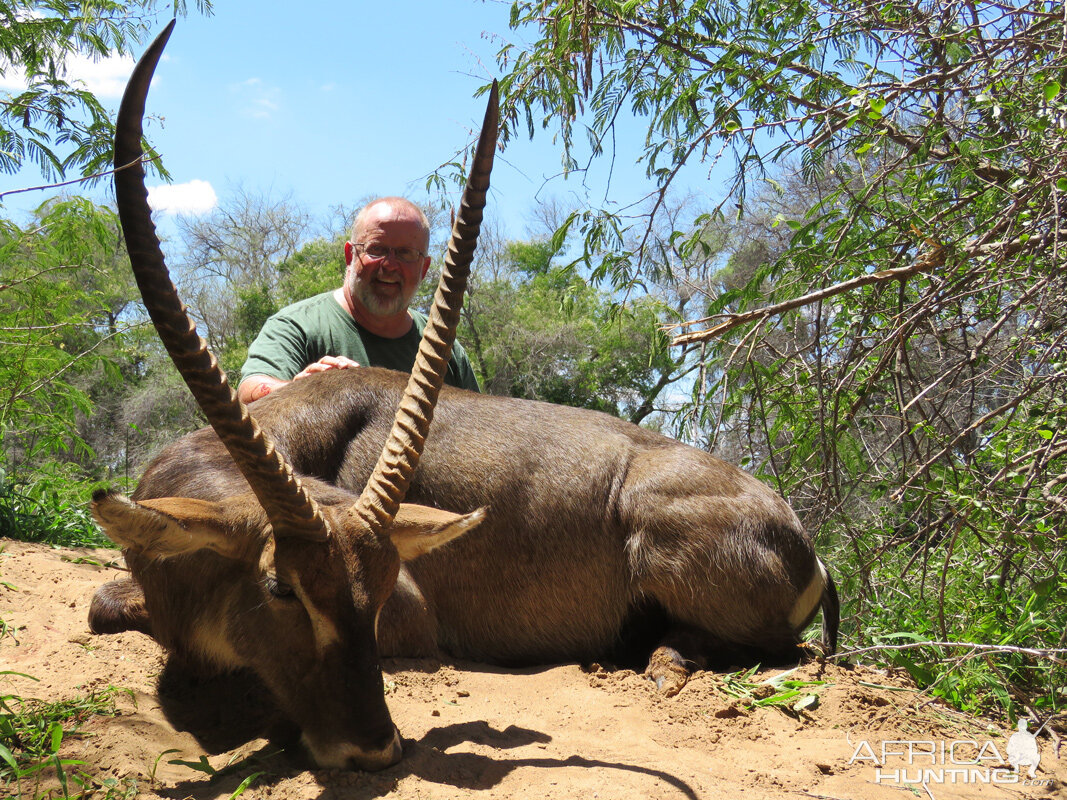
[292, 512]
[381, 497]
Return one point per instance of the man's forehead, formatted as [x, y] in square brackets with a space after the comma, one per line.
[387, 217]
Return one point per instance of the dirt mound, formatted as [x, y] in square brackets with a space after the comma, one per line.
[476, 731]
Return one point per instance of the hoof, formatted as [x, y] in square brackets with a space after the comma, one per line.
[668, 671]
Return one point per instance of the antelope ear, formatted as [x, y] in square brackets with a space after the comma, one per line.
[174, 526]
[417, 530]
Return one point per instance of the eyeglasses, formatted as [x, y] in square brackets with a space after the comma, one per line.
[405, 255]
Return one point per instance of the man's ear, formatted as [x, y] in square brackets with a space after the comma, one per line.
[419, 529]
[425, 267]
[350, 253]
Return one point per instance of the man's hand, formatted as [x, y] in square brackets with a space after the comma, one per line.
[257, 386]
[326, 363]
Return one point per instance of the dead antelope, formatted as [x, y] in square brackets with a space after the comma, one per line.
[288, 575]
[598, 539]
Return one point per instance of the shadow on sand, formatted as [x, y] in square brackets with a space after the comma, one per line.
[227, 711]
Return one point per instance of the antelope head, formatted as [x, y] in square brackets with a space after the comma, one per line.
[314, 564]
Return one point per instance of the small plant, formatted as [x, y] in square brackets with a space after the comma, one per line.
[31, 735]
[202, 765]
[982, 628]
[42, 510]
[780, 691]
[7, 629]
[240, 790]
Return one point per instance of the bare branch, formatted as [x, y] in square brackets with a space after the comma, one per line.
[929, 261]
[1054, 654]
[146, 159]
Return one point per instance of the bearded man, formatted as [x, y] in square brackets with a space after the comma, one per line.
[367, 321]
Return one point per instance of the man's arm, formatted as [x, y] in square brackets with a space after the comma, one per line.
[256, 386]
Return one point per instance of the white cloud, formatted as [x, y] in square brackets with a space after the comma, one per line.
[104, 77]
[195, 197]
[258, 100]
[11, 80]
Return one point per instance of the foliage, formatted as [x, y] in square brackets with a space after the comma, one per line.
[917, 153]
[314, 268]
[72, 355]
[60, 308]
[48, 508]
[31, 734]
[319, 266]
[539, 331]
[782, 691]
[229, 271]
[53, 122]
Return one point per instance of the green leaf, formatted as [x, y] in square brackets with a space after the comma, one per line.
[18, 674]
[7, 756]
[240, 790]
[1052, 90]
[155, 765]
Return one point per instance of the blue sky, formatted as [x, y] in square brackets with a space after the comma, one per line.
[329, 102]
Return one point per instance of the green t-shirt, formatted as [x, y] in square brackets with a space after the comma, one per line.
[306, 331]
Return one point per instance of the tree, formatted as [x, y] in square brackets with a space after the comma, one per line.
[62, 304]
[538, 330]
[54, 123]
[64, 344]
[896, 363]
[229, 270]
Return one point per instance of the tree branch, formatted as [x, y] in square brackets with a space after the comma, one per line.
[930, 260]
[1053, 654]
[142, 160]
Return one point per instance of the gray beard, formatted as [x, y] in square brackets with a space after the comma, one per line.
[378, 306]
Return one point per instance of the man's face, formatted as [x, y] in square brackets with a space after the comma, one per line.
[385, 286]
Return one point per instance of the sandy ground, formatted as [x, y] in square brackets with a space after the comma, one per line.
[469, 730]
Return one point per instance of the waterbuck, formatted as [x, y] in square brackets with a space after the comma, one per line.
[288, 575]
[571, 535]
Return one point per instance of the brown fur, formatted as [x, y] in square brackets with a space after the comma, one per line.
[119, 606]
[285, 576]
[589, 518]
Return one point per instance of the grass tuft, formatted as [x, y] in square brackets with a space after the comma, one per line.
[32, 733]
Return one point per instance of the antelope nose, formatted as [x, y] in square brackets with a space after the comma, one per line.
[373, 755]
[373, 760]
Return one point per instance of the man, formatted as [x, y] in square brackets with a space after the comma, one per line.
[366, 321]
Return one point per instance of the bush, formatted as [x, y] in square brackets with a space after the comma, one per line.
[47, 509]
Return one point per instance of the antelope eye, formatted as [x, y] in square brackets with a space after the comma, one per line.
[277, 588]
